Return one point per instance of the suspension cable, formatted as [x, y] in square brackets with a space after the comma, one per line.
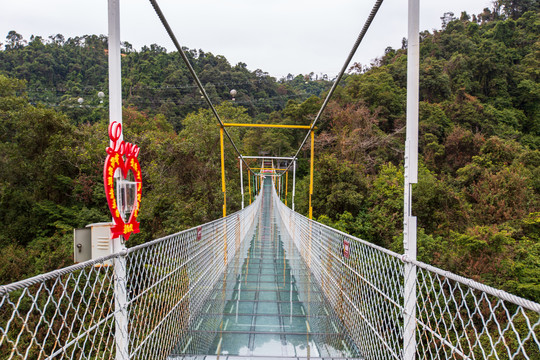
[197, 81]
[365, 28]
[359, 39]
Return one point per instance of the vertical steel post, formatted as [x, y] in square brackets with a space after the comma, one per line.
[411, 177]
[223, 189]
[115, 114]
[311, 173]
[241, 183]
[293, 183]
[120, 300]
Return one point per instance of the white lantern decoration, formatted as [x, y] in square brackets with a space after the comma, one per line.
[101, 95]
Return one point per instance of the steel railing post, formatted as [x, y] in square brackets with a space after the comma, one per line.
[115, 80]
[411, 177]
[115, 114]
[120, 301]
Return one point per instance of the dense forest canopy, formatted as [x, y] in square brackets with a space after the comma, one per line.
[478, 196]
[59, 71]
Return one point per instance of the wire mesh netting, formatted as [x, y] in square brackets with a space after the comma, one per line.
[267, 282]
[456, 318]
[67, 315]
[71, 313]
[362, 282]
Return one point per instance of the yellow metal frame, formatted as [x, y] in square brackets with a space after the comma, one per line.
[268, 126]
[249, 185]
[223, 189]
[258, 181]
[311, 173]
[268, 169]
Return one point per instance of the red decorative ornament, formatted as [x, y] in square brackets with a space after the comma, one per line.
[123, 156]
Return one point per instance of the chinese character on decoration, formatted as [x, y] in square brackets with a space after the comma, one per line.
[121, 159]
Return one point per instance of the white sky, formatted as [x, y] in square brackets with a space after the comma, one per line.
[277, 36]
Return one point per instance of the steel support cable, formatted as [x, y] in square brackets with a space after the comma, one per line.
[194, 74]
[363, 32]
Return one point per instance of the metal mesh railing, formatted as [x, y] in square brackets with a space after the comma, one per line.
[268, 304]
[68, 314]
[363, 282]
[72, 313]
[460, 318]
[161, 288]
[198, 336]
[456, 318]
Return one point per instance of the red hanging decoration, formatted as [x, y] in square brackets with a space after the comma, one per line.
[123, 156]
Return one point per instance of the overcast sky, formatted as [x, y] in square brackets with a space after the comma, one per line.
[277, 36]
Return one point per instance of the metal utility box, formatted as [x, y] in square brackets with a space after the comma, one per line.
[82, 245]
[92, 242]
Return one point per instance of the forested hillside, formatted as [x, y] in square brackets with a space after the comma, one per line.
[59, 71]
[478, 196]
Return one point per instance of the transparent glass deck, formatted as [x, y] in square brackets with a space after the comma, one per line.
[266, 306]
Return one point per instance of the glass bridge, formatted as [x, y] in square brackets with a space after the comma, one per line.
[268, 304]
[263, 283]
